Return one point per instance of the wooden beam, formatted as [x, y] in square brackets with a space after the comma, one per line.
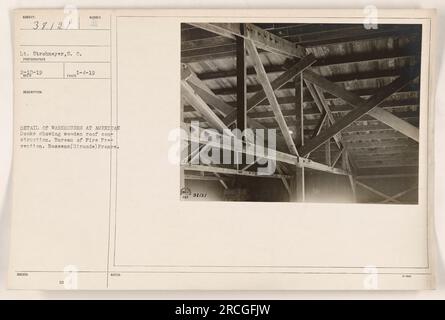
[378, 135]
[228, 50]
[313, 118]
[228, 30]
[192, 38]
[284, 180]
[382, 115]
[352, 181]
[210, 98]
[204, 91]
[220, 170]
[388, 163]
[183, 146]
[359, 33]
[410, 92]
[241, 93]
[287, 75]
[299, 113]
[272, 155]
[388, 176]
[300, 192]
[386, 143]
[391, 151]
[324, 104]
[200, 106]
[400, 194]
[190, 46]
[202, 178]
[362, 109]
[396, 123]
[299, 182]
[319, 128]
[337, 78]
[378, 153]
[262, 78]
[223, 183]
[324, 108]
[381, 194]
[322, 122]
[328, 152]
[400, 156]
[261, 38]
[338, 156]
[209, 115]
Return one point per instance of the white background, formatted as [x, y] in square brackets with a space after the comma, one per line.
[6, 146]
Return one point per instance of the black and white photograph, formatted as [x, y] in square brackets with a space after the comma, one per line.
[235, 152]
[300, 112]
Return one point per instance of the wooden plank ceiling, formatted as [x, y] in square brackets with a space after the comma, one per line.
[360, 60]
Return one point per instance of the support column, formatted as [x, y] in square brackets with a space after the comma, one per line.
[241, 88]
[327, 149]
[299, 136]
[346, 166]
[184, 152]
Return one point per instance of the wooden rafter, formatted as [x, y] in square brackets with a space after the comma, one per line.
[337, 78]
[347, 166]
[272, 155]
[376, 112]
[299, 180]
[388, 176]
[328, 111]
[284, 180]
[287, 75]
[210, 98]
[362, 108]
[204, 178]
[220, 170]
[261, 38]
[299, 110]
[199, 104]
[322, 105]
[338, 137]
[196, 48]
[381, 194]
[241, 93]
[223, 183]
[400, 194]
[363, 93]
[262, 78]
[320, 125]
[338, 156]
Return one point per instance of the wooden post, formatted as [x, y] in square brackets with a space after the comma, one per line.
[346, 166]
[241, 89]
[299, 128]
[327, 147]
[241, 95]
[184, 153]
[299, 136]
[270, 94]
